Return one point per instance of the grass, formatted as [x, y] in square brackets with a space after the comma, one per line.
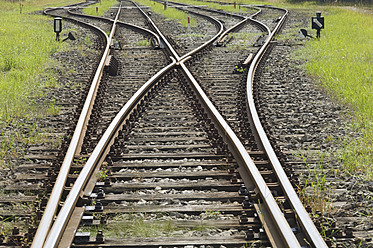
[102, 7]
[148, 225]
[8, 223]
[25, 49]
[143, 43]
[170, 13]
[27, 41]
[131, 225]
[342, 61]
[315, 192]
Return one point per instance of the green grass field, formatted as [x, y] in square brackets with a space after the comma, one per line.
[27, 41]
[343, 62]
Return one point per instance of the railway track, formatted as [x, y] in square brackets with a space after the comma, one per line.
[151, 148]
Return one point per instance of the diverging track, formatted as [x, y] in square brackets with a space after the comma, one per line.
[169, 162]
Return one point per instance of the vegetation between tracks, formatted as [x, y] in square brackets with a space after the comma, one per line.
[170, 13]
[342, 60]
[228, 8]
[102, 7]
[151, 225]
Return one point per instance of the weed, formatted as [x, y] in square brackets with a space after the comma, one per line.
[344, 68]
[169, 13]
[206, 215]
[26, 44]
[14, 138]
[102, 7]
[239, 69]
[315, 192]
[102, 175]
[212, 5]
[133, 225]
[80, 161]
[143, 43]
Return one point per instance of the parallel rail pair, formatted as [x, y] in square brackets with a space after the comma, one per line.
[277, 227]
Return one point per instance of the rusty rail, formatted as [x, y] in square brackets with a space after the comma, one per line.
[73, 149]
[282, 234]
[303, 217]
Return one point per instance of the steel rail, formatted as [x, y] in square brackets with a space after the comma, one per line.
[164, 39]
[288, 237]
[128, 25]
[98, 155]
[284, 236]
[237, 26]
[43, 235]
[303, 217]
[74, 148]
[231, 29]
[218, 25]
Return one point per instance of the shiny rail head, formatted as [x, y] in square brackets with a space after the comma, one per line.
[303, 217]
